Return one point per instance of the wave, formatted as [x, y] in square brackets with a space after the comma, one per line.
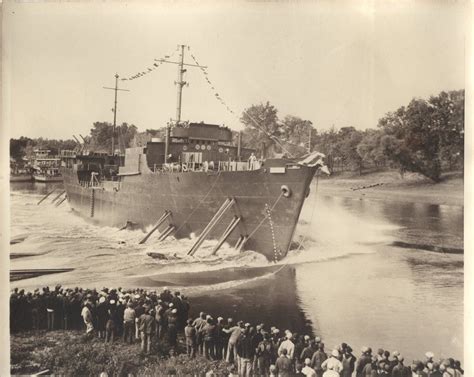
[326, 231]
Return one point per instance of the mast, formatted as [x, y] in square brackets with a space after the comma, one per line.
[115, 89]
[115, 114]
[180, 83]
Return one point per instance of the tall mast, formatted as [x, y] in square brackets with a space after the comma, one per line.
[116, 89]
[115, 114]
[180, 83]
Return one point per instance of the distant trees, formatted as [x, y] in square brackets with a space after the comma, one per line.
[426, 136]
[269, 136]
[24, 146]
[101, 136]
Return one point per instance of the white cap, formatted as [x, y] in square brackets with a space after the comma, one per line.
[112, 302]
[429, 355]
[174, 311]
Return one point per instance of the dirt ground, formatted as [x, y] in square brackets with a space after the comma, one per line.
[389, 185]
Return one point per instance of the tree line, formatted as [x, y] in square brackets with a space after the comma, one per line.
[426, 136]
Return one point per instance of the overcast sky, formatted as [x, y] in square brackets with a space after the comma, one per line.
[344, 64]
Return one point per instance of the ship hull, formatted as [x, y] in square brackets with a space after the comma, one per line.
[21, 178]
[47, 179]
[269, 213]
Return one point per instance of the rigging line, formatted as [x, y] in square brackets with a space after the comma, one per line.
[147, 70]
[200, 202]
[272, 137]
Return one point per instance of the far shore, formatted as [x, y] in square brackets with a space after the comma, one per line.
[390, 186]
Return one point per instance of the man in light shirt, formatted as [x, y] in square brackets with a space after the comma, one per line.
[333, 363]
[307, 370]
[288, 345]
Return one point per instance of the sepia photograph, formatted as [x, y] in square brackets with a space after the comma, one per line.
[231, 189]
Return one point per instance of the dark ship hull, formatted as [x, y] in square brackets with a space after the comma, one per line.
[267, 201]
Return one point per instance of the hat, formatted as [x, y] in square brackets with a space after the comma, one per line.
[395, 353]
[171, 305]
[220, 318]
[276, 331]
[400, 358]
[364, 349]
[247, 324]
[112, 302]
[259, 327]
[317, 339]
[307, 337]
[207, 316]
[174, 311]
[102, 299]
[335, 353]
[429, 355]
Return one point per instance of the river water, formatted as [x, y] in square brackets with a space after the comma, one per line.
[348, 283]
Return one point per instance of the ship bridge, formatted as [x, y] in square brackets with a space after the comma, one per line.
[196, 145]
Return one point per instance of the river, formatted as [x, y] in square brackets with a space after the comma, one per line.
[349, 283]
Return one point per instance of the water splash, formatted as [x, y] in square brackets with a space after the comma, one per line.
[60, 238]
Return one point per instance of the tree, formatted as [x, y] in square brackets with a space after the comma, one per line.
[370, 148]
[426, 135]
[101, 136]
[17, 147]
[261, 128]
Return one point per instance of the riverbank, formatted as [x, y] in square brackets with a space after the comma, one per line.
[70, 353]
[389, 185]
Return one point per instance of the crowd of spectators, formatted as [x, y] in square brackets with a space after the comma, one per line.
[250, 350]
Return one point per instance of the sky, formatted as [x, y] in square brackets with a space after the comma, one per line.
[343, 63]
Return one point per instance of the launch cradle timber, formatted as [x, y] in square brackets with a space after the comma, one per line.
[194, 182]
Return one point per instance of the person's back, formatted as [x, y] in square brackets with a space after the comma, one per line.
[146, 322]
[318, 359]
[284, 366]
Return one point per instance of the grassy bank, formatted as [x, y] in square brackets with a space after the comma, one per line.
[71, 353]
[389, 185]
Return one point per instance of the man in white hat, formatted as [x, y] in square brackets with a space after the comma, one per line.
[307, 370]
[333, 365]
[288, 345]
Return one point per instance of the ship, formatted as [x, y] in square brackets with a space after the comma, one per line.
[196, 183]
[46, 167]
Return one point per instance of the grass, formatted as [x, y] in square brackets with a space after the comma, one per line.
[71, 353]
